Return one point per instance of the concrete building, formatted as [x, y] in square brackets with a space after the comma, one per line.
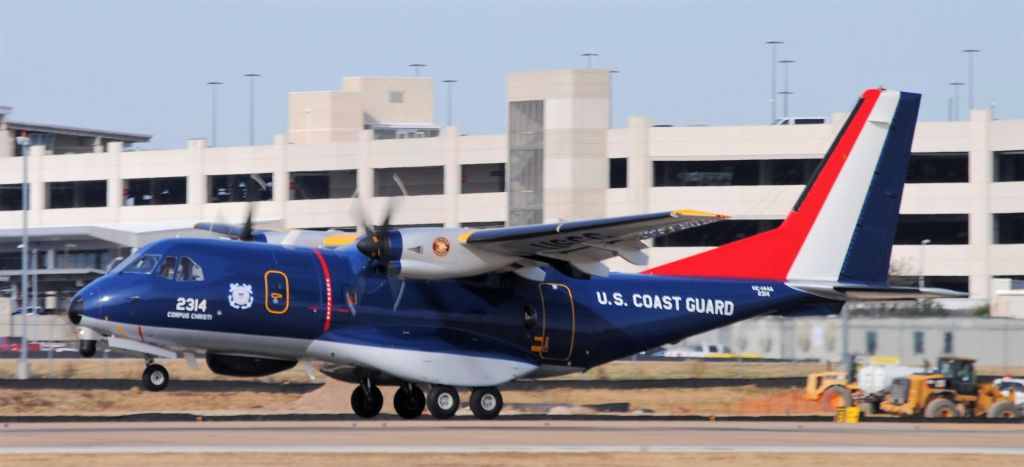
[961, 226]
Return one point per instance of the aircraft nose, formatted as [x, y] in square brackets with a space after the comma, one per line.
[76, 309]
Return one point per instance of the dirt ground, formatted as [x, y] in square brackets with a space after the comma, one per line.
[619, 370]
[517, 459]
[333, 397]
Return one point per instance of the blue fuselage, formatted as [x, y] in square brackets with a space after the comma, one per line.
[251, 292]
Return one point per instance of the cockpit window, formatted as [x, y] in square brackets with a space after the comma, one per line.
[188, 270]
[142, 265]
[166, 269]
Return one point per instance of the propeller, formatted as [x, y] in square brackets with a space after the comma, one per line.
[375, 244]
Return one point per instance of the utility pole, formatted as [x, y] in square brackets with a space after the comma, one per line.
[774, 45]
[252, 106]
[213, 111]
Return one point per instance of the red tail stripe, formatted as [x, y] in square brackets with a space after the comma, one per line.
[327, 285]
[770, 255]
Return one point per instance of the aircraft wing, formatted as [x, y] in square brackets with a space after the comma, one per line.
[310, 238]
[585, 243]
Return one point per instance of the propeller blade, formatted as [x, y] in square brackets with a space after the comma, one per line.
[358, 214]
[394, 201]
[246, 235]
[398, 299]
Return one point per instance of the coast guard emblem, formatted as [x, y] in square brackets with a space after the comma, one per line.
[240, 296]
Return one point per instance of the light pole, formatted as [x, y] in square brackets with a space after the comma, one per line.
[252, 106]
[774, 45]
[611, 103]
[970, 78]
[590, 58]
[416, 68]
[920, 265]
[450, 82]
[956, 99]
[785, 86]
[213, 111]
[24, 369]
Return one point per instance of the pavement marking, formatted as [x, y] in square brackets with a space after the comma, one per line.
[527, 448]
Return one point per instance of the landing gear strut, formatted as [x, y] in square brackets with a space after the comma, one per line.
[443, 402]
[367, 400]
[155, 378]
[486, 403]
[409, 401]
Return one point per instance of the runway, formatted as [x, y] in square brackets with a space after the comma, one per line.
[466, 436]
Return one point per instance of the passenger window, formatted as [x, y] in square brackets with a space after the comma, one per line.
[166, 269]
[143, 265]
[188, 270]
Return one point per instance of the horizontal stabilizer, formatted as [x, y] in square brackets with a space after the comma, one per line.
[859, 292]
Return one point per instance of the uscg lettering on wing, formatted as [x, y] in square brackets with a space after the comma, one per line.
[707, 306]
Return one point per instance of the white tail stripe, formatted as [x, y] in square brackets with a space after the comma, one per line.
[822, 255]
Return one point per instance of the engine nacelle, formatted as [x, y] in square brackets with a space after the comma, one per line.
[234, 365]
[437, 253]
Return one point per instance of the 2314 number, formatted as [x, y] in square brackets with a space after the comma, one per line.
[191, 304]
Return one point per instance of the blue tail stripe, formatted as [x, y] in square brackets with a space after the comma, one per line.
[867, 259]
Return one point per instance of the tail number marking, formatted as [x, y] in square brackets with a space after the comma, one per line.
[190, 304]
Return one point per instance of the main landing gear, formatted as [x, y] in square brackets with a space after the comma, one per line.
[409, 401]
[367, 400]
[441, 401]
[155, 378]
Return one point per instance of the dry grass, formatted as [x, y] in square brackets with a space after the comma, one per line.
[516, 459]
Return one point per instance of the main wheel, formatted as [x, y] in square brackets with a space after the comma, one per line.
[409, 401]
[1002, 409]
[941, 408]
[367, 404]
[155, 378]
[443, 402]
[835, 397]
[486, 403]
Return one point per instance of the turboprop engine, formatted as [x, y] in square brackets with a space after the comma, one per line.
[430, 254]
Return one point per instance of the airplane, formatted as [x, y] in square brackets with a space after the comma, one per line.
[448, 308]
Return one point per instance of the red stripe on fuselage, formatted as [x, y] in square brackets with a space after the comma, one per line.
[770, 255]
[327, 285]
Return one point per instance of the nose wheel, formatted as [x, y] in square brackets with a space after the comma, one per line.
[155, 378]
[367, 400]
[409, 401]
[443, 402]
[486, 403]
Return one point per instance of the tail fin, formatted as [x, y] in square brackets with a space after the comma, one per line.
[843, 225]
